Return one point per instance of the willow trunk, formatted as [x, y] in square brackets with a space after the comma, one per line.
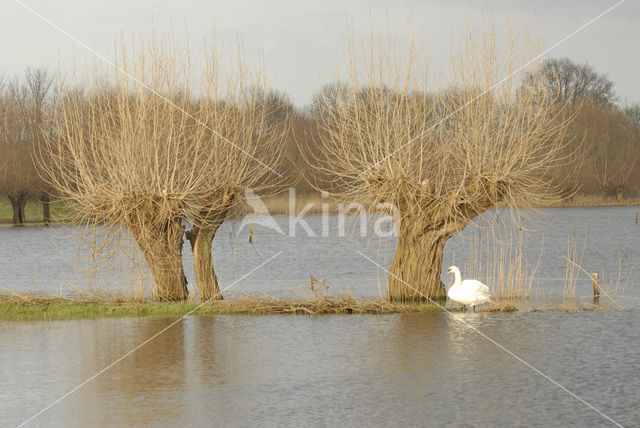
[46, 209]
[18, 203]
[416, 267]
[201, 239]
[162, 249]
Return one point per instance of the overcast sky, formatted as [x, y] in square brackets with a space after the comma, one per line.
[302, 40]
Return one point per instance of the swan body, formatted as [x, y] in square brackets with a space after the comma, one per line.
[469, 292]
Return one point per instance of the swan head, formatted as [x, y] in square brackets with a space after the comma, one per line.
[453, 269]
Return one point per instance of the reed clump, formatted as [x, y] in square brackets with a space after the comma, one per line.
[499, 261]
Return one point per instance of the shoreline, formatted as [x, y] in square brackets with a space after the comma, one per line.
[278, 206]
[31, 308]
[19, 307]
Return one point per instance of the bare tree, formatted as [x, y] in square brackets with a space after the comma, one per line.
[633, 113]
[328, 98]
[444, 157]
[4, 162]
[260, 123]
[26, 114]
[4, 122]
[150, 158]
[563, 79]
[35, 100]
[20, 177]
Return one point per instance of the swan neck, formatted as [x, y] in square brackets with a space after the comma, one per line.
[456, 273]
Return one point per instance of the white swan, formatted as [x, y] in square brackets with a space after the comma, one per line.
[468, 292]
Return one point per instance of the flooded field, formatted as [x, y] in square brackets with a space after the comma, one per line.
[410, 369]
[47, 262]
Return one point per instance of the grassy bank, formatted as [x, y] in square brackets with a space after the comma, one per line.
[25, 308]
[279, 205]
[33, 211]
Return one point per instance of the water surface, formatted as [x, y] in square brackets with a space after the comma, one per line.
[45, 261]
[410, 369]
[404, 370]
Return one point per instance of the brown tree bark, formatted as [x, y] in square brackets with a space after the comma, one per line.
[46, 209]
[18, 202]
[16, 211]
[162, 249]
[417, 265]
[201, 239]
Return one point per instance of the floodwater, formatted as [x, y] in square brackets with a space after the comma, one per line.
[459, 369]
[50, 261]
[360, 370]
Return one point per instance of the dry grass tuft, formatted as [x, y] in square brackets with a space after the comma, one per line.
[501, 307]
[319, 305]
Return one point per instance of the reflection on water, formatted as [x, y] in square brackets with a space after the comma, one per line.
[418, 369]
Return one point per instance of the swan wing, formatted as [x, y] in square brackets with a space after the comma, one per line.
[472, 287]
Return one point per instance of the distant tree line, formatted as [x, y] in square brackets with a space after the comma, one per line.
[603, 133]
